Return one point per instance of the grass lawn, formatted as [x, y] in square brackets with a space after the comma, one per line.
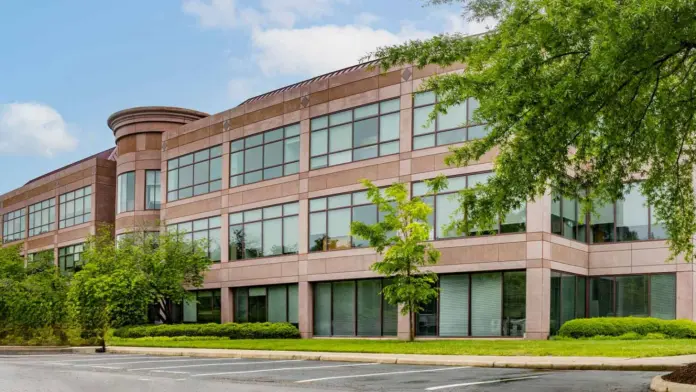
[586, 348]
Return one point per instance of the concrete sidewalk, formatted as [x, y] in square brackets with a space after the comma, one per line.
[527, 362]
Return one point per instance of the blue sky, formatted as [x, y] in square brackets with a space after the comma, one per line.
[70, 64]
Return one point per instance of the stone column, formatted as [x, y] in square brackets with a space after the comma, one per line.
[686, 306]
[402, 324]
[226, 304]
[306, 309]
[538, 303]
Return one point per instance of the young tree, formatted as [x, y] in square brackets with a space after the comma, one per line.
[577, 94]
[401, 238]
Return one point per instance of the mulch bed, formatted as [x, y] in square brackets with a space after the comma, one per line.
[683, 375]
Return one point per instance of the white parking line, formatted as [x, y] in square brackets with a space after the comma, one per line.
[98, 359]
[154, 360]
[211, 364]
[283, 369]
[382, 374]
[479, 383]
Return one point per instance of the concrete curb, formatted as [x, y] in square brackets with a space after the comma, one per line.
[660, 385]
[545, 363]
[29, 350]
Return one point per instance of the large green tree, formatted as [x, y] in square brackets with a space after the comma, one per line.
[577, 94]
[401, 238]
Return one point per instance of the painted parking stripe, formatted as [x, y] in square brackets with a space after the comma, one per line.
[284, 369]
[212, 364]
[382, 374]
[99, 359]
[480, 383]
[153, 360]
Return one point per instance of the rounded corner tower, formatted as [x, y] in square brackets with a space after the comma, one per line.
[138, 135]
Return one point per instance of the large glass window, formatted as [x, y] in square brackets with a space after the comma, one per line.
[479, 304]
[70, 258]
[42, 255]
[567, 298]
[273, 304]
[444, 205]
[153, 190]
[630, 219]
[42, 217]
[205, 307]
[13, 225]
[353, 308]
[75, 207]
[266, 155]
[454, 127]
[356, 134]
[651, 295]
[268, 231]
[207, 229]
[194, 174]
[330, 219]
[126, 192]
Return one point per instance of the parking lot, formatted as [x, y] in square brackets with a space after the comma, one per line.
[109, 372]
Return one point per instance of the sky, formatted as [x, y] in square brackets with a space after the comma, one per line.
[66, 65]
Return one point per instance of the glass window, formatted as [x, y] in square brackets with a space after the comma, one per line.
[330, 219]
[194, 174]
[514, 303]
[152, 190]
[356, 134]
[13, 225]
[75, 207]
[455, 126]
[663, 296]
[268, 231]
[42, 217]
[486, 304]
[275, 304]
[70, 258]
[602, 223]
[341, 307]
[454, 305]
[632, 216]
[264, 156]
[602, 297]
[43, 255]
[204, 308]
[633, 295]
[206, 229]
[445, 204]
[126, 192]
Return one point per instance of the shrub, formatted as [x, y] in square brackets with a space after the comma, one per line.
[655, 336]
[229, 330]
[619, 326]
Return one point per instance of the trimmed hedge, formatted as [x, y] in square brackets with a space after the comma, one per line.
[618, 326]
[228, 330]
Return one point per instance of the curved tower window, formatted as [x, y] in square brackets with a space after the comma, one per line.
[126, 192]
[152, 190]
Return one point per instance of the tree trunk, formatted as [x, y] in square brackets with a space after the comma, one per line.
[411, 326]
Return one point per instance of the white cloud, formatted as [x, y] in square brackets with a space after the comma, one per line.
[455, 23]
[33, 129]
[286, 51]
[241, 89]
[216, 13]
[366, 19]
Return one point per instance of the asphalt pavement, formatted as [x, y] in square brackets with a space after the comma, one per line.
[113, 372]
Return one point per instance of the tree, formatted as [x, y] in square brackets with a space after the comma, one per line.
[577, 94]
[119, 281]
[401, 238]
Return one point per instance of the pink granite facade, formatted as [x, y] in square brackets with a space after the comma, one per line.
[147, 138]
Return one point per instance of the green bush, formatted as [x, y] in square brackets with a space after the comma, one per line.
[655, 336]
[229, 330]
[620, 326]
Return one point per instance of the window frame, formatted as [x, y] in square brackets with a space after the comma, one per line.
[51, 225]
[22, 218]
[500, 221]
[614, 299]
[281, 218]
[122, 181]
[64, 197]
[263, 168]
[465, 126]
[193, 173]
[193, 232]
[65, 254]
[157, 186]
[352, 122]
[287, 302]
[355, 308]
[326, 218]
[212, 307]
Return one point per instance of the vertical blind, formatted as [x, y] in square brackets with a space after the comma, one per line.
[486, 304]
[343, 308]
[663, 296]
[369, 307]
[454, 305]
[322, 309]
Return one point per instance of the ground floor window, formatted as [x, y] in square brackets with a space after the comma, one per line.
[653, 295]
[568, 298]
[204, 307]
[70, 258]
[274, 304]
[353, 308]
[480, 304]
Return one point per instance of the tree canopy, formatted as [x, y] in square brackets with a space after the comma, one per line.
[578, 95]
